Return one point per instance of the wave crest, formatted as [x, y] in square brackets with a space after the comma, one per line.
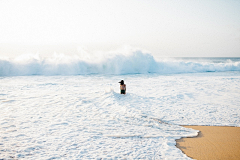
[135, 63]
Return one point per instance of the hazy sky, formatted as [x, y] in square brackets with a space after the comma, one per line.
[163, 27]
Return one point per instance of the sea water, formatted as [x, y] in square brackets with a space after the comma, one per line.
[70, 108]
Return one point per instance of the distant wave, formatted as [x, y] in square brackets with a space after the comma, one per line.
[134, 63]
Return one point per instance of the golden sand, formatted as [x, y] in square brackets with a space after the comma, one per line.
[212, 142]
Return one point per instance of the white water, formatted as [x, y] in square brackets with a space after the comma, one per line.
[85, 117]
[135, 62]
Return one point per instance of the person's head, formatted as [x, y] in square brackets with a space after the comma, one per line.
[121, 82]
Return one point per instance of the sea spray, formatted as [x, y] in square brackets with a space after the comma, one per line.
[135, 62]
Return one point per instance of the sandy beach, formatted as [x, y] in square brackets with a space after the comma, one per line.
[212, 142]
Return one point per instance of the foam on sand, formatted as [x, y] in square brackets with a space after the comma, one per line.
[212, 142]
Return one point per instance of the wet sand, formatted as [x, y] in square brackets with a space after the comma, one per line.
[212, 142]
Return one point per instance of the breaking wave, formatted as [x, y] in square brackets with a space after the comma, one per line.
[136, 62]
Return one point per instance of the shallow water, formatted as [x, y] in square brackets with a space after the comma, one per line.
[85, 117]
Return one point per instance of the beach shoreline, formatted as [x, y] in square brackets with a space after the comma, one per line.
[212, 142]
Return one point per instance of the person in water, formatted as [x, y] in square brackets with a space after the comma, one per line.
[122, 87]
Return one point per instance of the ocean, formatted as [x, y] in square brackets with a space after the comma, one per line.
[69, 107]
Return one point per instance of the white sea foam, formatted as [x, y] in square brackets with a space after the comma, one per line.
[135, 62]
[84, 116]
